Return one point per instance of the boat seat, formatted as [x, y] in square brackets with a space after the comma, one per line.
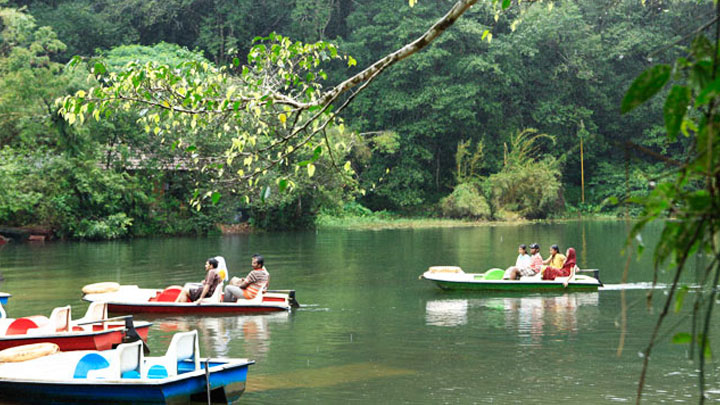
[494, 274]
[216, 295]
[97, 311]
[60, 319]
[125, 361]
[169, 294]
[26, 325]
[183, 346]
[2, 312]
[258, 298]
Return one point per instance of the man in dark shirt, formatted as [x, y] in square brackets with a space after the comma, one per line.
[208, 286]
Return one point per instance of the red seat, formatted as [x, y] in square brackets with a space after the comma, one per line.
[20, 326]
[170, 294]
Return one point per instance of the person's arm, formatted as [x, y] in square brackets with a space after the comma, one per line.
[548, 260]
[248, 280]
[206, 288]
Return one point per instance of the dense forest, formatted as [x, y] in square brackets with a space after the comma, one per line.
[486, 123]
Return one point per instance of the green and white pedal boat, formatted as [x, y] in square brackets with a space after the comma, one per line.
[454, 278]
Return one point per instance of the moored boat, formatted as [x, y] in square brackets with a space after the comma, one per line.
[454, 278]
[125, 375]
[94, 331]
[130, 299]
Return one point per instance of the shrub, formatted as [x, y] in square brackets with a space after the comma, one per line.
[465, 202]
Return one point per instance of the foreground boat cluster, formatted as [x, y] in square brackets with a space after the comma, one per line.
[101, 359]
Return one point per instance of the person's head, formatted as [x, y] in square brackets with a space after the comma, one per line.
[534, 248]
[522, 249]
[211, 263]
[554, 249]
[257, 261]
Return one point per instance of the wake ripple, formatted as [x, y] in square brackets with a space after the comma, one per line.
[633, 286]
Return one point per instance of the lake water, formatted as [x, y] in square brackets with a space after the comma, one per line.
[370, 332]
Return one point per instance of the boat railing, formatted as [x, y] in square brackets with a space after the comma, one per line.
[595, 273]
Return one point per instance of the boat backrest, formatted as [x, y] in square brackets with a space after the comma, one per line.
[130, 358]
[97, 311]
[222, 268]
[183, 346]
[217, 294]
[60, 318]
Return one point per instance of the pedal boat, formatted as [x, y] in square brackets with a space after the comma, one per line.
[125, 375]
[454, 278]
[94, 331]
[131, 299]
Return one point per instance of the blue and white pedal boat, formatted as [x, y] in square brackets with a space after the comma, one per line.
[125, 375]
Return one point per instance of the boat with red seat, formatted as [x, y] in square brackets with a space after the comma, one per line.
[94, 331]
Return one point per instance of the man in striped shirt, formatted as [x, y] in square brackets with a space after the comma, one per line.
[249, 287]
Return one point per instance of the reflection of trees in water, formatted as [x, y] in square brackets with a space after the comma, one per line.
[217, 333]
[532, 317]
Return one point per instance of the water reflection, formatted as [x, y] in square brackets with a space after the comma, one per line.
[532, 317]
[446, 312]
[222, 335]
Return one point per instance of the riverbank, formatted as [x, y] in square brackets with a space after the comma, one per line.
[373, 222]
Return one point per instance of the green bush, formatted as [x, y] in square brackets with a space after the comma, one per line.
[465, 202]
[112, 227]
[531, 191]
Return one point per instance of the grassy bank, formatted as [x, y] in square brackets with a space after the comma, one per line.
[378, 222]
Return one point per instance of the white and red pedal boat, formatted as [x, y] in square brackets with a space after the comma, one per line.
[131, 299]
[94, 331]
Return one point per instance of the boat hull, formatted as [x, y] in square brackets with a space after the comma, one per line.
[68, 341]
[226, 385]
[539, 286]
[190, 309]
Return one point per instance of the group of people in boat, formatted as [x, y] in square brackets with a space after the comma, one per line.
[528, 265]
[238, 287]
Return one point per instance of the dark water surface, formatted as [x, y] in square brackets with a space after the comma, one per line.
[370, 332]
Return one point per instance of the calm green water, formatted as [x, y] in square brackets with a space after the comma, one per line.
[370, 332]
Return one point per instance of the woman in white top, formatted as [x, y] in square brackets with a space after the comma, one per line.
[522, 262]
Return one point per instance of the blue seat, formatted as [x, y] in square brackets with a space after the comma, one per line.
[157, 371]
[90, 361]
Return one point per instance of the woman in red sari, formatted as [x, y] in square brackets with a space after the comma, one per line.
[568, 269]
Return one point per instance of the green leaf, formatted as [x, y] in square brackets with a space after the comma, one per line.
[282, 184]
[710, 91]
[506, 4]
[682, 338]
[99, 68]
[215, 197]
[681, 297]
[645, 86]
[236, 62]
[675, 108]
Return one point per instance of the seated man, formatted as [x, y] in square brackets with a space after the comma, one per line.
[248, 287]
[533, 267]
[208, 286]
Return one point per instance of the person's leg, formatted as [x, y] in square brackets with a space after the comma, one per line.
[510, 273]
[184, 296]
[232, 293]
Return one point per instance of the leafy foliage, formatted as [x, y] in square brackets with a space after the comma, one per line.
[692, 196]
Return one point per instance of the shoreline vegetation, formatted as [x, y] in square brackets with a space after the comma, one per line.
[383, 222]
